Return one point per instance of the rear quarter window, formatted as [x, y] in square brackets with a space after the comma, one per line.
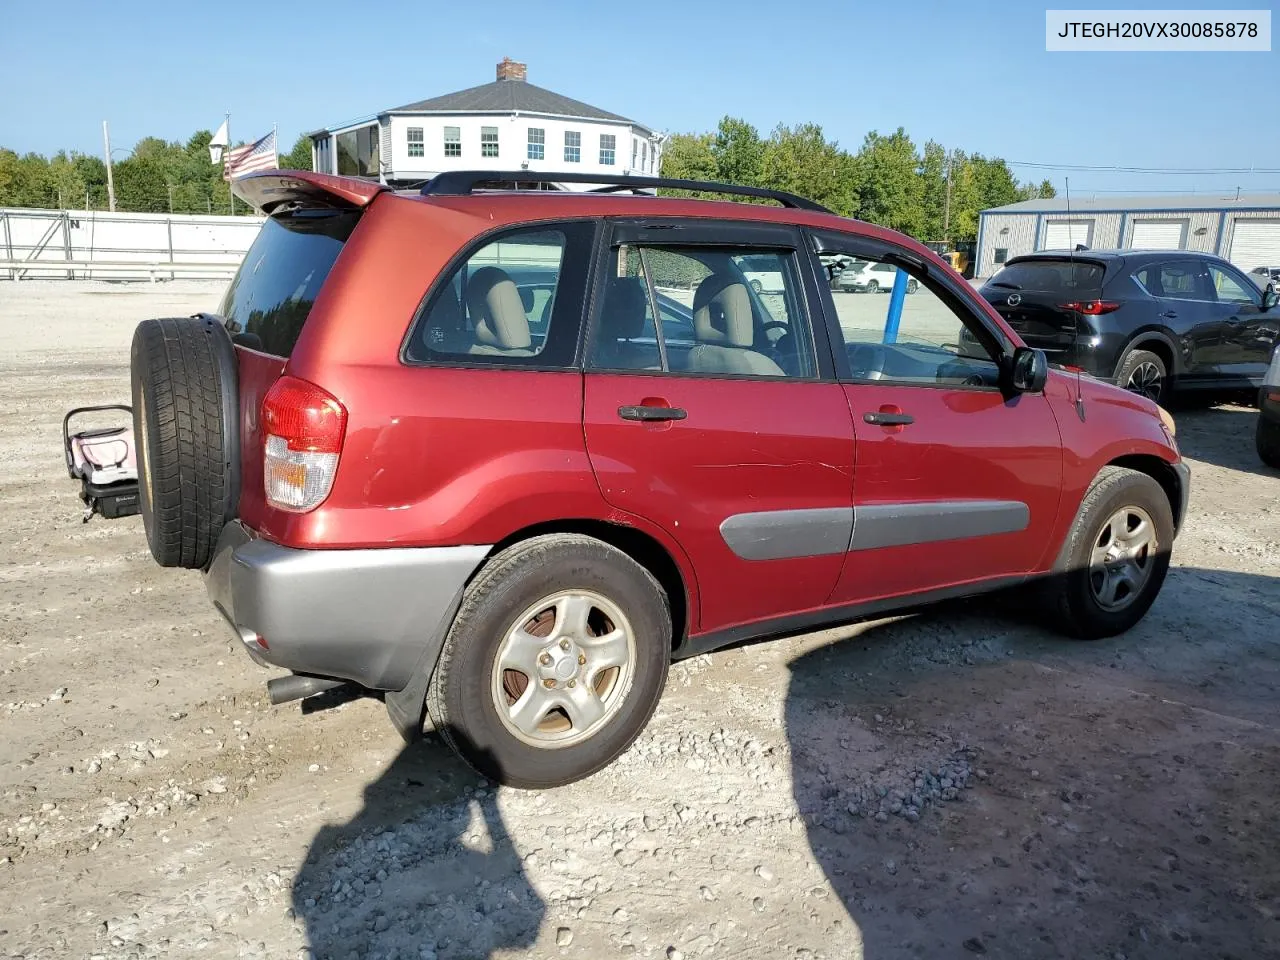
[281, 276]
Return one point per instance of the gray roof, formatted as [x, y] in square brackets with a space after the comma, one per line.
[509, 96]
[1094, 203]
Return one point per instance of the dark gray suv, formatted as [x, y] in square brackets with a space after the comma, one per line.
[1148, 320]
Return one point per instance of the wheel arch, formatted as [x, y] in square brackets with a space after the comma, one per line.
[1153, 341]
[642, 547]
[1162, 473]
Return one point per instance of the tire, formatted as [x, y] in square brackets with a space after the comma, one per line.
[185, 420]
[873, 286]
[1268, 441]
[757, 286]
[467, 686]
[912, 285]
[1144, 373]
[1078, 604]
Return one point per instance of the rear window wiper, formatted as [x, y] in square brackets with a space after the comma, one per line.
[1006, 284]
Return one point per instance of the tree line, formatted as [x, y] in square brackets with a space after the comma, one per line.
[156, 177]
[930, 194]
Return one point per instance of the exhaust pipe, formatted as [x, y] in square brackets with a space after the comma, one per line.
[296, 687]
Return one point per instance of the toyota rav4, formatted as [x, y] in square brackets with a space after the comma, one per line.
[500, 455]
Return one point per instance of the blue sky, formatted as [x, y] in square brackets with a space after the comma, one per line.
[971, 75]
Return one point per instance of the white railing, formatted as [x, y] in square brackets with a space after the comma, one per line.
[89, 244]
[152, 270]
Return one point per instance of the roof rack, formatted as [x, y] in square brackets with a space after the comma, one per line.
[455, 183]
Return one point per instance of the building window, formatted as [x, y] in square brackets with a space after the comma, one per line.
[1002, 254]
[453, 141]
[488, 141]
[644, 156]
[358, 154]
[416, 147]
[572, 146]
[537, 143]
[635, 150]
[608, 148]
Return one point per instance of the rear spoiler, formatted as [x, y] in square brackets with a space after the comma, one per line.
[275, 190]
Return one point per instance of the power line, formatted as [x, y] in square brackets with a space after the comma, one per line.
[1163, 171]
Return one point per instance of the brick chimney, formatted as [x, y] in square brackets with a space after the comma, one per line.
[509, 69]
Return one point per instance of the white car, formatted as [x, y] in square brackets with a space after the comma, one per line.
[1266, 275]
[764, 274]
[864, 277]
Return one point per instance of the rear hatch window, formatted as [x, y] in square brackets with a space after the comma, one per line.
[1074, 279]
[276, 286]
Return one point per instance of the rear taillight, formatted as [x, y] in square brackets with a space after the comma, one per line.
[302, 427]
[1091, 308]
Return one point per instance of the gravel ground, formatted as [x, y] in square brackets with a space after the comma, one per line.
[952, 784]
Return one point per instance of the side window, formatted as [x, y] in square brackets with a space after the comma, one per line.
[1180, 280]
[517, 300]
[922, 335]
[712, 311]
[1233, 289]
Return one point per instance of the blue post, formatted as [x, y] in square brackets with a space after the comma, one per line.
[896, 298]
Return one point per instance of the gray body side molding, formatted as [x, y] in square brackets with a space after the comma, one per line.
[780, 534]
[902, 524]
[785, 534]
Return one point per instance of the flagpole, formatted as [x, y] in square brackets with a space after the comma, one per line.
[230, 195]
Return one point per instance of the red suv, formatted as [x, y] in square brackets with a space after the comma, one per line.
[501, 455]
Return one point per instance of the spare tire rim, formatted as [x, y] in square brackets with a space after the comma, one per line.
[563, 669]
[1123, 556]
[1146, 380]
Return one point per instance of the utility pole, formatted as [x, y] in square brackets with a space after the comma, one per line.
[111, 183]
[946, 206]
[171, 198]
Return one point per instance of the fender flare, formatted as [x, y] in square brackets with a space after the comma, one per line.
[1142, 337]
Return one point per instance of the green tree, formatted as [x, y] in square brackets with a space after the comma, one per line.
[299, 158]
[738, 152]
[688, 156]
[891, 192]
[801, 160]
[24, 181]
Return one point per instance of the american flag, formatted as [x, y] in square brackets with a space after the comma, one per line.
[259, 155]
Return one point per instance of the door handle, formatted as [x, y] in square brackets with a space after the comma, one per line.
[1170, 314]
[646, 414]
[882, 418]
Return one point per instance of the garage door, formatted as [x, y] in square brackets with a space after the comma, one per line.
[1065, 234]
[1159, 235]
[1255, 243]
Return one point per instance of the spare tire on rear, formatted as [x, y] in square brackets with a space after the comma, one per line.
[186, 425]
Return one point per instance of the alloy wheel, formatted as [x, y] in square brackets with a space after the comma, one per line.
[1147, 381]
[563, 669]
[1123, 556]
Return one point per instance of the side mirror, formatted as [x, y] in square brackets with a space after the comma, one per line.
[1269, 297]
[1029, 371]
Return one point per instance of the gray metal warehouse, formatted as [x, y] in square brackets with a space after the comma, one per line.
[1244, 229]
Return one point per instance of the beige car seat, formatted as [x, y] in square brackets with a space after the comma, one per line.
[724, 328]
[501, 325]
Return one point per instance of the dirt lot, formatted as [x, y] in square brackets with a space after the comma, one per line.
[953, 784]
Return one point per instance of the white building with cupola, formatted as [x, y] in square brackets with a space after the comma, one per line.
[506, 125]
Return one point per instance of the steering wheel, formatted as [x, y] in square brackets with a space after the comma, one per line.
[775, 325]
[866, 362]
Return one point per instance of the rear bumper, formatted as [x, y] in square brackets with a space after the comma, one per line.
[367, 616]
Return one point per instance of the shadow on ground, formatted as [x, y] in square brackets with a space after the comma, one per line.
[425, 870]
[1222, 435]
[974, 787]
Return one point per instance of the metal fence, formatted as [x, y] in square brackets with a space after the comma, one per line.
[92, 244]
